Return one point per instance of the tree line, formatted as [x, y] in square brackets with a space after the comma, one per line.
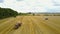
[7, 12]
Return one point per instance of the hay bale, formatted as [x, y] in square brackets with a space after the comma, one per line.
[17, 25]
[46, 18]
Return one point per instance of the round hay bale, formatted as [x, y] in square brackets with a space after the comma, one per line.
[46, 18]
[17, 25]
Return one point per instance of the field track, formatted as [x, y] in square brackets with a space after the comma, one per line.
[31, 25]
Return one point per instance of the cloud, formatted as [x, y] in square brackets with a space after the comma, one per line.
[56, 2]
[1, 1]
[55, 6]
[25, 6]
[29, 5]
[54, 10]
[19, 0]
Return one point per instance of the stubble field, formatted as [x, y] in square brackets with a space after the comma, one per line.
[31, 25]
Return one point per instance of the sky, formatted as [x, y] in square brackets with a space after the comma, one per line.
[32, 5]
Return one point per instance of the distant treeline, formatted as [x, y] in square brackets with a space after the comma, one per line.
[39, 14]
[25, 14]
[52, 14]
[7, 12]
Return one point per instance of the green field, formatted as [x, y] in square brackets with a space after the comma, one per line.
[31, 25]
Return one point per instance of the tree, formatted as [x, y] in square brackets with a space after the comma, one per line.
[7, 12]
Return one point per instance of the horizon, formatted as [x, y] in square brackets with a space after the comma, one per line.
[31, 5]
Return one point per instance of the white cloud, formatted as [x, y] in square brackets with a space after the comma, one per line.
[56, 2]
[29, 5]
[55, 7]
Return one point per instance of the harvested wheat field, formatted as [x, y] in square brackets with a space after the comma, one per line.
[31, 25]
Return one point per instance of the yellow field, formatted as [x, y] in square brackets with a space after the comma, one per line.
[31, 25]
